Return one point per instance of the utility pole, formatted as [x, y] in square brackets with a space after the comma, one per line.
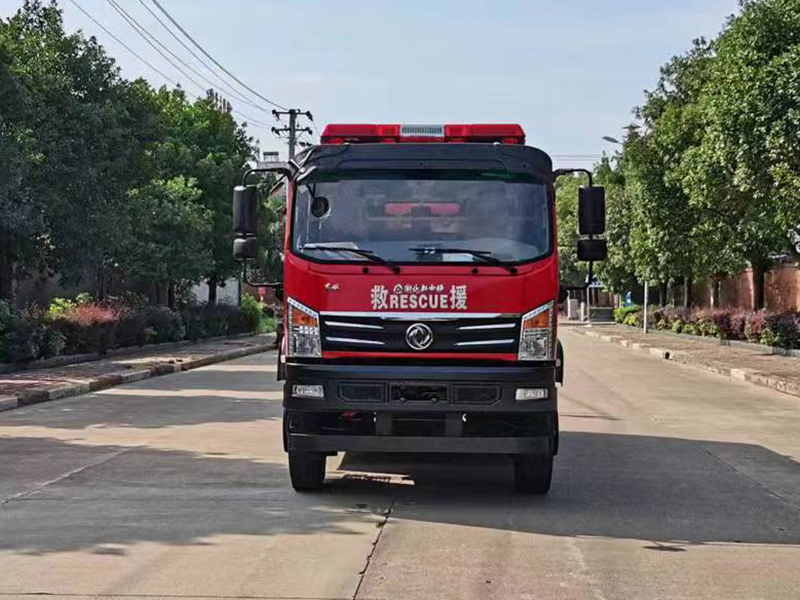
[292, 129]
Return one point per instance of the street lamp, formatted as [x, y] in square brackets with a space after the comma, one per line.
[611, 140]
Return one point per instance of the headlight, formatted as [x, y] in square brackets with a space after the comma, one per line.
[536, 334]
[302, 331]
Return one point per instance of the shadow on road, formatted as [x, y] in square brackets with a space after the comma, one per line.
[673, 493]
[672, 490]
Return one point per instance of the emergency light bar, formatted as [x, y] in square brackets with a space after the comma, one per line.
[418, 134]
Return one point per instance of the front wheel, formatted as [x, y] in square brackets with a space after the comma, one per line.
[307, 470]
[533, 473]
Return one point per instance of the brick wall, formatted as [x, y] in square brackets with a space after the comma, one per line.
[781, 290]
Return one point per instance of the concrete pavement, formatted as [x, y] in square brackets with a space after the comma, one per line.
[671, 483]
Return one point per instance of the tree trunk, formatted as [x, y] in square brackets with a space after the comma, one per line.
[6, 276]
[662, 293]
[101, 284]
[212, 289]
[715, 292]
[171, 295]
[759, 274]
[687, 291]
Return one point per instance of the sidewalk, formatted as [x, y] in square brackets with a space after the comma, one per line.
[42, 385]
[758, 366]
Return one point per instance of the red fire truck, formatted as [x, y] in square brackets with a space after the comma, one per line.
[420, 292]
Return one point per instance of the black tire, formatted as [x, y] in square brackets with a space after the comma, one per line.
[307, 470]
[533, 473]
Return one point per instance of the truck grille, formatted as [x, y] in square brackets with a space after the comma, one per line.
[419, 392]
[484, 334]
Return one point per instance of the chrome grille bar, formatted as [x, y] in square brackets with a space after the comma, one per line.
[487, 343]
[354, 341]
[493, 326]
[352, 325]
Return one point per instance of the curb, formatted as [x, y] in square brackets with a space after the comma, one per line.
[108, 380]
[76, 359]
[749, 375]
[729, 343]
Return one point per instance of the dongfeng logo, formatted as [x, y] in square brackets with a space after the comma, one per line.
[419, 336]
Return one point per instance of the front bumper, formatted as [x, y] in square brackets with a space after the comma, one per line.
[463, 409]
[458, 384]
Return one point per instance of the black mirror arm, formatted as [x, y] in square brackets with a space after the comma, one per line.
[246, 279]
[559, 172]
[286, 169]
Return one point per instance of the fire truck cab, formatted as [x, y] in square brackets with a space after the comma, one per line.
[420, 291]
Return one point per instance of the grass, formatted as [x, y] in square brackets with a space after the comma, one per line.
[267, 324]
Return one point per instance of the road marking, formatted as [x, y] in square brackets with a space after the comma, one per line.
[67, 475]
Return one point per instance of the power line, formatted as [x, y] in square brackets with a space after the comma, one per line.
[136, 27]
[142, 31]
[155, 69]
[220, 82]
[212, 59]
[121, 43]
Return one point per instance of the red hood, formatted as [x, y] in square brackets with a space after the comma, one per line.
[428, 289]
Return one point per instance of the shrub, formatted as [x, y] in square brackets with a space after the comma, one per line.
[132, 329]
[691, 329]
[662, 325]
[621, 313]
[782, 330]
[84, 298]
[23, 341]
[89, 327]
[53, 343]
[213, 320]
[251, 313]
[754, 326]
[58, 308]
[738, 322]
[131, 300]
[7, 318]
[677, 326]
[166, 324]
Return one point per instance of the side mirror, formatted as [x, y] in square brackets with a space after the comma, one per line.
[245, 248]
[592, 250]
[592, 210]
[245, 207]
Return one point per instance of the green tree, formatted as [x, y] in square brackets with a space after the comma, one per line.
[169, 240]
[209, 146]
[666, 240]
[21, 218]
[88, 146]
[617, 272]
[570, 271]
[747, 170]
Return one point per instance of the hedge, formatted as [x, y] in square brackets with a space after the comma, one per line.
[88, 326]
[762, 327]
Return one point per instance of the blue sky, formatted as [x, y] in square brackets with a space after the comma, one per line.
[569, 71]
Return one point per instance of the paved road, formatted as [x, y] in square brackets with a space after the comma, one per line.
[672, 483]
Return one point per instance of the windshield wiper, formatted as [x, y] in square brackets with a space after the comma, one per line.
[484, 255]
[368, 254]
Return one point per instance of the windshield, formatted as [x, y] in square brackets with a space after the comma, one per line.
[422, 216]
